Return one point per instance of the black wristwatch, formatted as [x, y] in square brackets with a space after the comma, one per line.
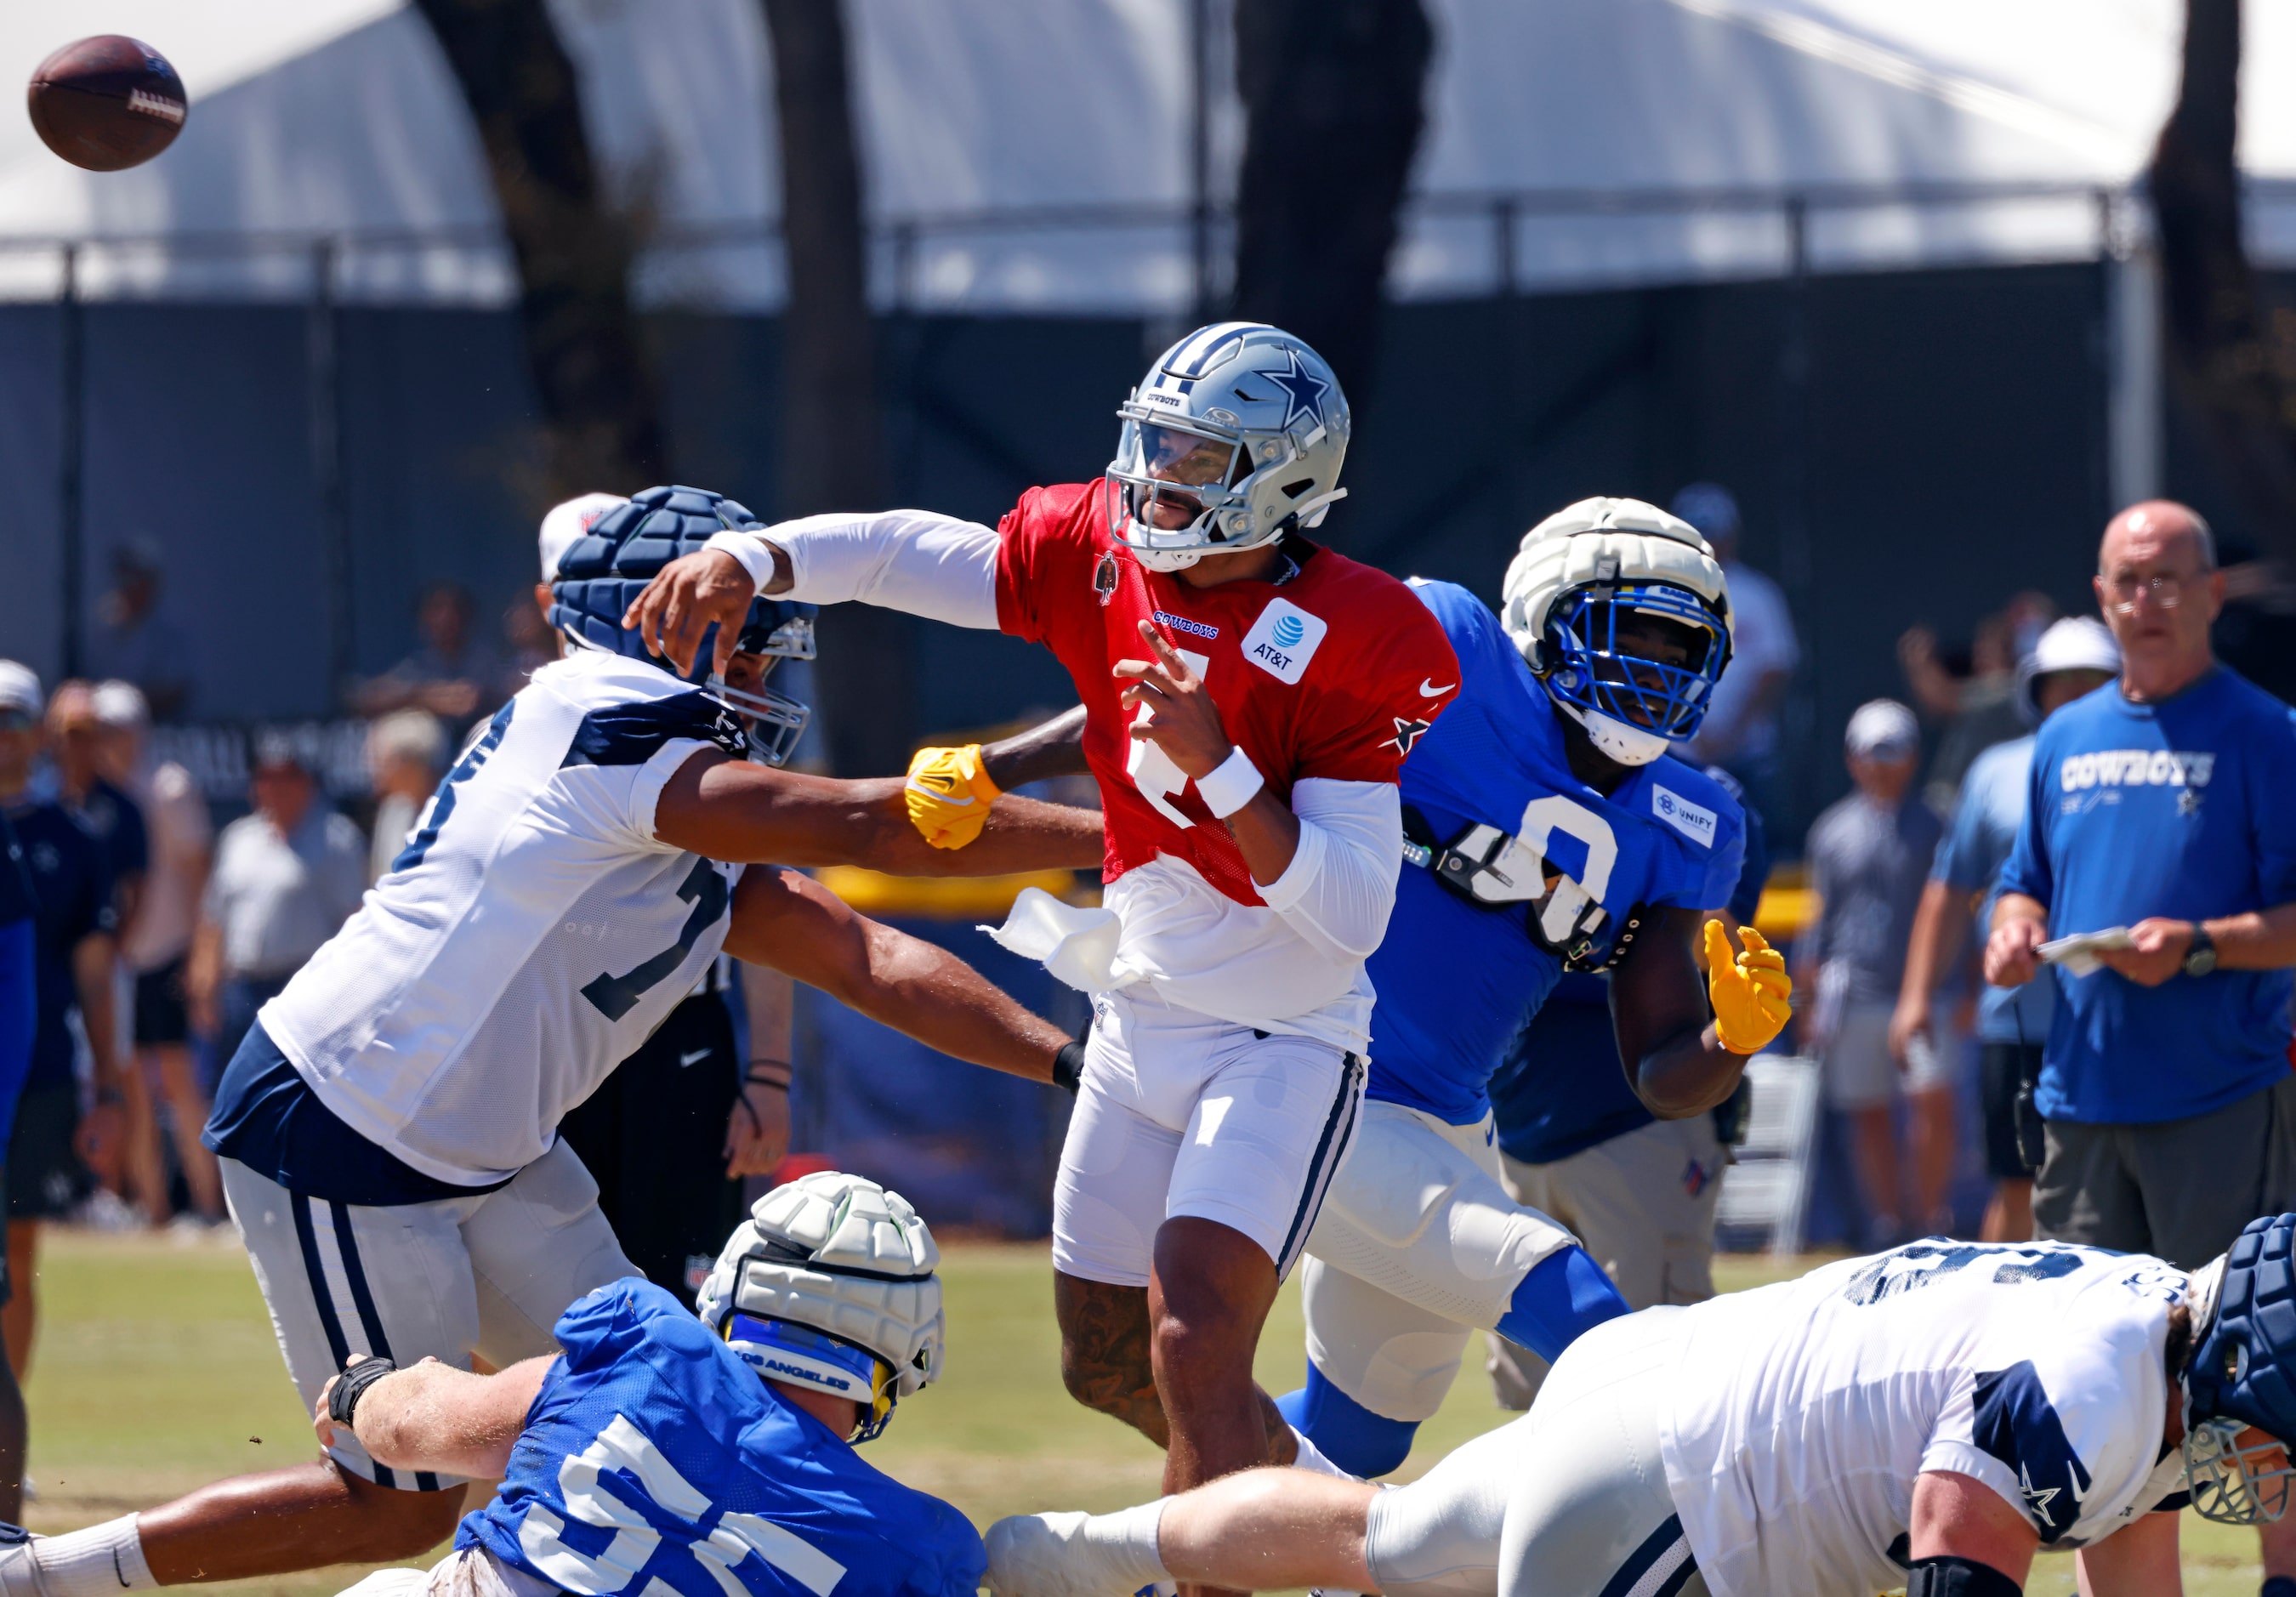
[2200, 958]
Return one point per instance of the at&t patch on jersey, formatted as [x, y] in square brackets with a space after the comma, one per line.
[1283, 640]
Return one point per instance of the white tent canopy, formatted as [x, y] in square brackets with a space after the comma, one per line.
[1031, 155]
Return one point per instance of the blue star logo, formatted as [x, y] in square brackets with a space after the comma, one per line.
[1303, 392]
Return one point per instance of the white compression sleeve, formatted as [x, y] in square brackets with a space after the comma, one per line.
[1339, 887]
[916, 561]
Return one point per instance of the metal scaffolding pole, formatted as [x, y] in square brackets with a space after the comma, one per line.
[71, 411]
[322, 338]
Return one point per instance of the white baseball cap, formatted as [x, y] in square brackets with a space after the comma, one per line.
[568, 523]
[2075, 643]
[1883, 729]
[19, 689]
[121, 704]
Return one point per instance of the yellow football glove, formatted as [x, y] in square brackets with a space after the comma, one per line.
[948, 794]
[1750, 992]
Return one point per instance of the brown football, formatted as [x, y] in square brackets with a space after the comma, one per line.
[107, 103]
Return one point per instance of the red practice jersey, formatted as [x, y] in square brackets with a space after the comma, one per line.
[1332, 672]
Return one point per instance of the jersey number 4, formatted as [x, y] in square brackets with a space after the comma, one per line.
[1151, 770]
[626, 1453]
[614, 996]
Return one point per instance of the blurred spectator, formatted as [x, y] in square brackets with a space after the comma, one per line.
[157, 945]
[135, 640]
[285, 879]
[131, 1167]
[1575, 1143]
[454, 675]
[75, 956]
[108, 814]
[534, 641]
[1869, 855]
[2161, 807]
[2075, 657]
[1740, 731]
[406, 750]
[1980, 708]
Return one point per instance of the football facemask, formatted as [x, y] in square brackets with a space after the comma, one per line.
[784, 1350]
[2232, 1483]
[773, 722]
[1634, 664]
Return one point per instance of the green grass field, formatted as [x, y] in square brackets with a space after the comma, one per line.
[156, 1373]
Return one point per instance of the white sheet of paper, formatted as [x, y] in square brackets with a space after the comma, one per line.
[2077, 953]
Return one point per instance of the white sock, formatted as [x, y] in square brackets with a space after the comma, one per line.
[96, 1562]
[1126, 1540]
[1311, 1457]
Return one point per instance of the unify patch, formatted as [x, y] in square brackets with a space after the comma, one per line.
[1283, 640]
[1692, 821]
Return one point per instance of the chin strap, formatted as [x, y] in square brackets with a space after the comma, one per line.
[1628, 745]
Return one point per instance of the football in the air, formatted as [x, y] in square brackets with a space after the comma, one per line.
[107, 103]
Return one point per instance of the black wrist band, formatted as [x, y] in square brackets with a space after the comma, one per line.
[344, 1401]
[769, 1073]
[1068, 1066]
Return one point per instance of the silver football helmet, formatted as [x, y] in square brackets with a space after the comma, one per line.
[1233, 439]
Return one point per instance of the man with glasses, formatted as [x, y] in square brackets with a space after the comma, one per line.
[2160, 810]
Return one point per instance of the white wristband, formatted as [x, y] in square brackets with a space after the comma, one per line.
[751, 553]
[1232, 786]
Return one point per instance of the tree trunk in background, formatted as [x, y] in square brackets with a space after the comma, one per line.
[830, 453]
[573, 252]
[2221, 347]
[1333, 93]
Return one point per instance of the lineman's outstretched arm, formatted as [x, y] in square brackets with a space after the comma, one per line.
[432, 1416]
[1050, 749]
[736, 810]
[1259, 1530]
[914, 560]
[786, 921]
[1681, 1063]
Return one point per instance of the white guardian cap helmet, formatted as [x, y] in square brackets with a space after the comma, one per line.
[1621, 611]
[830, 1284]
[1234, 439]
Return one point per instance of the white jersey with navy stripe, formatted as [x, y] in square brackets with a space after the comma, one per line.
[532, 934]
[1798, 1415]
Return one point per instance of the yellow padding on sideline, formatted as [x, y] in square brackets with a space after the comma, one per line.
[942, 897]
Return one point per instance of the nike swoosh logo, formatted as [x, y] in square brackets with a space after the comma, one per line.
[1428, 689]
[694, 1058]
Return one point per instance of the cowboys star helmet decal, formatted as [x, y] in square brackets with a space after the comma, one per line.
[1303, 392]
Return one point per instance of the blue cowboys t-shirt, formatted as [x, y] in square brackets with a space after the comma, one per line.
[2182, 809]
[654, 1458]
[1457, 980]
[1563, 1088]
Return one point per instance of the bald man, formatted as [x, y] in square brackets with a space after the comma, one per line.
[2162, 810]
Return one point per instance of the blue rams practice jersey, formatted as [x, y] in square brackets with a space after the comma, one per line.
[1457, 980]
[654, 1457]
[1563, 1087]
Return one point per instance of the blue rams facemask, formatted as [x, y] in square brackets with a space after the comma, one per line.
[1643, 656]
[603, 573]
